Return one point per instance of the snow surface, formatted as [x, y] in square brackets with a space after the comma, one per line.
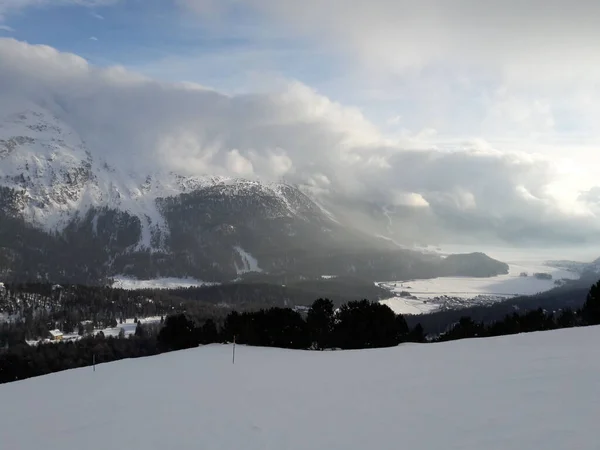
[249, 262]
[531, 391]
[128, 283]
[479, 290]
[409, 306]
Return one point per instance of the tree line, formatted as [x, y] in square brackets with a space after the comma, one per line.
[355, 325]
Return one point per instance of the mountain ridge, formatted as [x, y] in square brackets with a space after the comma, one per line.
[69, 214]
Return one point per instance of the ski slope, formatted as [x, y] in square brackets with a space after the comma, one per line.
[534, 391]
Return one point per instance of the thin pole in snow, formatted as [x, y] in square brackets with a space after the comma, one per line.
[233, 360]
[94, 361]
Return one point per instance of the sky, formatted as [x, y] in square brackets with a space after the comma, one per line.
[469, 115]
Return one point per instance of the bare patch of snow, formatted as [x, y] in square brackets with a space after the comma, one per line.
[128, 283]
[249, 262]
[408, 306]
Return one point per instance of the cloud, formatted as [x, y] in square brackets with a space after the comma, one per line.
[517, 74]
[467, 188]
[93, 38]
[6, 28]
[97, 16]
[403, 34]
[394, 120]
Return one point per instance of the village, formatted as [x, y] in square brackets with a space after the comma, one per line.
[122, 330]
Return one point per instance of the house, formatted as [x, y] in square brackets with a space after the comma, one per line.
[56, 335]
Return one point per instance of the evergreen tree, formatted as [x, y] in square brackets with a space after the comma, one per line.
[208, 332]
[365, 324]
[320, 323]
[140, 330]
[402, 329]
[566, 319]
[178, 333]
[591, 309]
[417, 334]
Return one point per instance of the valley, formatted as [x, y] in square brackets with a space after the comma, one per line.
[421, 296]
[70, 215]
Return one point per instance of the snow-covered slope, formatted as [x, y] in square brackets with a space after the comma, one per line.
[46, 161]
[58, 178]
[535, 391]
[94, 218]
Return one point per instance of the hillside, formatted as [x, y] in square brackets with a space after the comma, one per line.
[70, 214]
[530, 391]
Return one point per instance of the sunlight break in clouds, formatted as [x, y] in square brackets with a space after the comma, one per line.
[300, 135]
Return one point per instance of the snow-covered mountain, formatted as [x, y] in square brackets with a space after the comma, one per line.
[68, 213]
[55, 178]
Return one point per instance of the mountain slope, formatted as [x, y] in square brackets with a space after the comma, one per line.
[70, 215]
[529, 391]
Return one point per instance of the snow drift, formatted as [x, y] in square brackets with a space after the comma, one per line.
[535, 391]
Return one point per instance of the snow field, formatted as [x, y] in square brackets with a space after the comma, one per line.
[530, 391]
[130, 284]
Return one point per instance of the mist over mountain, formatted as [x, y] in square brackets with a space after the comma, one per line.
[106, 172]
[68, 215]
[401, 188]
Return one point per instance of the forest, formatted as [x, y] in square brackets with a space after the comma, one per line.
[354, 325]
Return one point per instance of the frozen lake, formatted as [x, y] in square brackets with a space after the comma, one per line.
[426, 295]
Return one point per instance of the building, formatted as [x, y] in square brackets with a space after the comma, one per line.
[56, 335]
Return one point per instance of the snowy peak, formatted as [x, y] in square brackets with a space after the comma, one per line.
[100, 219]
[45, 162]
[54, 179]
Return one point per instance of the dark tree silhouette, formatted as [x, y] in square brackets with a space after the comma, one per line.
[178, 333]
[365, 324]
[417, 334]
[208, 332]
[140, 330]
[320, 322]
[591, 308]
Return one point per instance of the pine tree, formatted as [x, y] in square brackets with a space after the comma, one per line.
[417, 334]
[209, 333]
[320, 323]
[140, 331]
[591, 308]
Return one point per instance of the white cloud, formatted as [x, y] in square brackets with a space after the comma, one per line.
[394, 120]
[93, 38]
[515, 73]
[6, 28]
[238, 165]
[297, 134]
[401, 34]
